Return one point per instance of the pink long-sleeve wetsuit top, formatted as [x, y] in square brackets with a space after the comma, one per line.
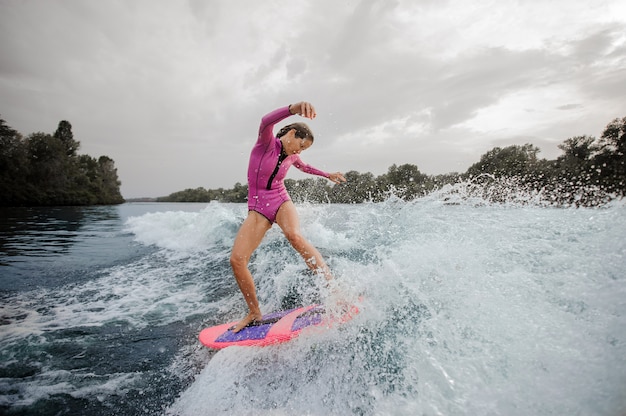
[268, 167]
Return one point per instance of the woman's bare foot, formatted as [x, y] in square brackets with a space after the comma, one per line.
[252, 316]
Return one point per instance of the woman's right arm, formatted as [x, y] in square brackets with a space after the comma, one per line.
[266, 129]
[304, 109]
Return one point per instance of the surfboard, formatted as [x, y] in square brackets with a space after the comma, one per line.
[274, 328]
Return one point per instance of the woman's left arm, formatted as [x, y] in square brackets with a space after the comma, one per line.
[336, 177]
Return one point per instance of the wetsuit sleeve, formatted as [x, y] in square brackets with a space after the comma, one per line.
[266, 129]
[308, 168]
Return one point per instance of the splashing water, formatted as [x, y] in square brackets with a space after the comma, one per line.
[469, 307]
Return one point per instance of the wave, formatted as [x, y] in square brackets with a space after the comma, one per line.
[470, 307]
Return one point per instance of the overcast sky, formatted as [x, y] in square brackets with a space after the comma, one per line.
[174, 90]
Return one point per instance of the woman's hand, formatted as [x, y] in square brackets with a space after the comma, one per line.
[336, 177]
[304, 109]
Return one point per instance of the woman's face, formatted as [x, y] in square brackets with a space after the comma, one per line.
[292, 144]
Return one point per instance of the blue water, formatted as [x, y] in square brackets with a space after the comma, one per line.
[469, 308]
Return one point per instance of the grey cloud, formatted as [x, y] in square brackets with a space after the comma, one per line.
[173, 91]
[570, 107]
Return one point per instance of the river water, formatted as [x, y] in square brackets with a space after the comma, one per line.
[468, 308]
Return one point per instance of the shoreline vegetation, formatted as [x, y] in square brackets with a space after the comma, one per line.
[45, 170]
[590, 172]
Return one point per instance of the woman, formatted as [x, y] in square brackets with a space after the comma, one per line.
[269, 202]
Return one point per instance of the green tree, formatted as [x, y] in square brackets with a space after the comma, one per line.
[358, 188]
[239, 193]
[576, 163]
[65, 135]
[44, 169]
[14, 167]
[110, 183]
[406, 179]
[438, 181]
[188, 195]
[509, 161]
[49, 168]
[610, 159]
[87, 182]
[313, 190]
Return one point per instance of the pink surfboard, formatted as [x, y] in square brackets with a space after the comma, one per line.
[274, 328]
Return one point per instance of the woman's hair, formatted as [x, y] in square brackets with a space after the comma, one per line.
[302, 131]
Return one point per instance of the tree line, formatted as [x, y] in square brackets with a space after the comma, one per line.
[590, 172]
[45, 170]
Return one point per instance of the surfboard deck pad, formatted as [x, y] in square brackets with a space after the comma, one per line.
[275, 327]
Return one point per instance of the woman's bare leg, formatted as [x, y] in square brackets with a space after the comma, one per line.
[287, 219]
[248, 239]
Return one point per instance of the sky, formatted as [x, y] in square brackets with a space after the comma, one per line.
[173, 90]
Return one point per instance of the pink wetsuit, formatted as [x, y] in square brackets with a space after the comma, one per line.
[268, 167]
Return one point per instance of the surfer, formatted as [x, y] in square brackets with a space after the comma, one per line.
[269, 202]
